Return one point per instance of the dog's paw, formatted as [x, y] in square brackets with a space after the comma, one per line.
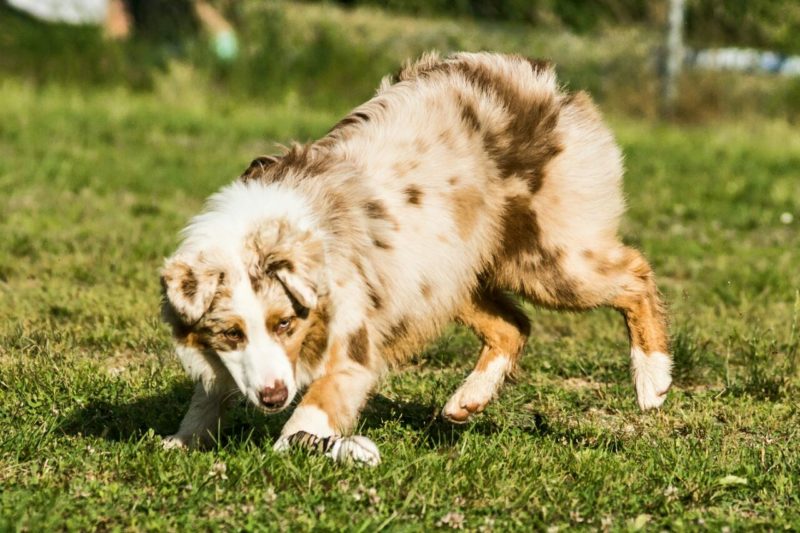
[282, 445]
[652, 378]
[476, 392]
[174, 442]
[355, 449]
[460, 407]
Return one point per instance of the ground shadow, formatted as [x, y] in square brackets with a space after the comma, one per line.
[125, 420]
[121, 420]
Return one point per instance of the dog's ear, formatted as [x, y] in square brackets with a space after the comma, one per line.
[302, 288]
[257, 167]
[189, 287]
[297, 262]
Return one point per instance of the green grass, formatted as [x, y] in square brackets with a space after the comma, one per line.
[94, 187]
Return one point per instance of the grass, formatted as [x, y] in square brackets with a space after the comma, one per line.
[94, 186]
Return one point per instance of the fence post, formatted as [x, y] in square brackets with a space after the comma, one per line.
[674, 58]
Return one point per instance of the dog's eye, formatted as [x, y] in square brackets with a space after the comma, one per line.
[284, 324]
[234, 334]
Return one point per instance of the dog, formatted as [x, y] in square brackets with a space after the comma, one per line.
[467, 179]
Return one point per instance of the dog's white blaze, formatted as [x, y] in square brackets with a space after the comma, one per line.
[263, 361]
[233, 212]
[310, 419]
[652, 377]
[480, 386]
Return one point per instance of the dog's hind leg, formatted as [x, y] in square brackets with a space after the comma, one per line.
[641, 305]
[201, 421]
[503, 328]
[606, 274]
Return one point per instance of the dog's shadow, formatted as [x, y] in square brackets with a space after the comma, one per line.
[162, 413]
[125, 420]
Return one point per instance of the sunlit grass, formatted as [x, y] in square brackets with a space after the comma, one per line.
[94, 186]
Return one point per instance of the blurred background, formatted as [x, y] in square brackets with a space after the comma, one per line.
[729, 58]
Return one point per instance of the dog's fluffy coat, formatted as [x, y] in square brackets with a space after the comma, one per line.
[462, 180]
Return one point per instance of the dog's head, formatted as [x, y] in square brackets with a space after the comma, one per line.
[247, 305]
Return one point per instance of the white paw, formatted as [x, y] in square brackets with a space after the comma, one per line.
[282, 445]
[476, 392]
[174, 442]
[651, 376]
[357, 449]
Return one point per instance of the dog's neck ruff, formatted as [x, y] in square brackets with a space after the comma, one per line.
[231, 214]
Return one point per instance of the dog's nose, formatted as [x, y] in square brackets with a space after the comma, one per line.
[274, 396]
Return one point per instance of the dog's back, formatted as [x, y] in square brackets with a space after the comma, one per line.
[473, 165]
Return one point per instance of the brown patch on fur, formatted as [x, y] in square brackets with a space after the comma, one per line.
[529, 141]
[257, 167]
[398, 330]
[425, 289]
[280, 264]
[358, 117]
[383, 245]
[301, 160]
[520, 227]
[372, 291]
[526, 265]
[312, 335]
[466, 209]
[358, 346]
[256, 281]
[374, 298]
[376, 210]
[452, 180]
[469, 116]
[189, 284]
[194, 340]
[338, 213]
[538, 65]
[413, 194]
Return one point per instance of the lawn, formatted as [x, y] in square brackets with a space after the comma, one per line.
[95, 185]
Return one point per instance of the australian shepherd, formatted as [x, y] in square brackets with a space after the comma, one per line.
[464, 182]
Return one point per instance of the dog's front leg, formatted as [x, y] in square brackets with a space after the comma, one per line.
[331, 406]
[201, 421]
